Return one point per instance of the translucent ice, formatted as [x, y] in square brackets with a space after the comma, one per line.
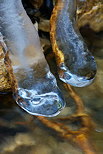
[76, 65]
[37, 91]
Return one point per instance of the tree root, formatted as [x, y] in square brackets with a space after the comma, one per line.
[81, 136]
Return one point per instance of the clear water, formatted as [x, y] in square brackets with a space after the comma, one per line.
[23, 133]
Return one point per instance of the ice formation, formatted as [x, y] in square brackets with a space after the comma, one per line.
[37, 92]
[76, 65]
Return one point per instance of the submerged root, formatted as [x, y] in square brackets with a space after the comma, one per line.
[81, 136]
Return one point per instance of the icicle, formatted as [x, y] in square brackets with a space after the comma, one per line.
[76, 65]
[37, 91]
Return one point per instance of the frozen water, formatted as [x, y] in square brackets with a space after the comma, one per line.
[38, 93]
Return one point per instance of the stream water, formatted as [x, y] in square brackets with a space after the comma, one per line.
[21, 133]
